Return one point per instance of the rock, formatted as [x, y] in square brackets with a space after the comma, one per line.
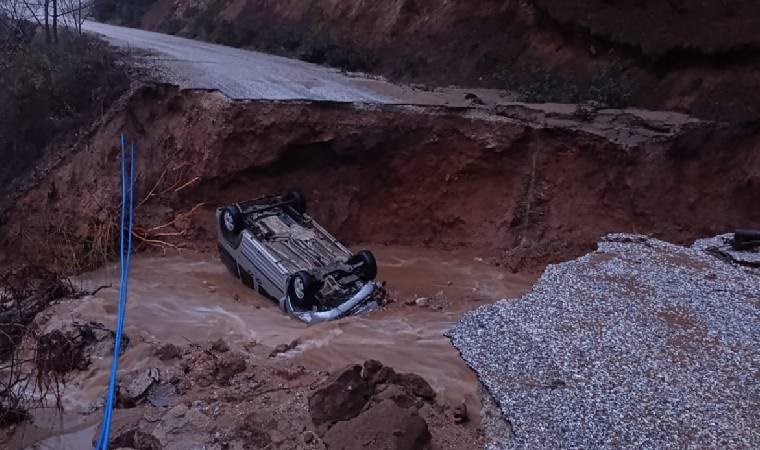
[371, 368]
[422, 302]
[139, 386]
[161, 395]
[409, 302]
[220, 346]
[474, 99]
[341, 397]
[460, 413]
[308, 436]
[167, 352]
[382, 376]
[415, 384]
[136, 439]
[230, 364]
[385, 426]
[395, 393]
[182, 427]
[284, 348]
[252, 433]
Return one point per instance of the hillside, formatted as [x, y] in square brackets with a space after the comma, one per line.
[695, 57]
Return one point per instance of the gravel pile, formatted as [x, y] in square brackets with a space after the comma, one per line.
[721, 246]
[641, 344]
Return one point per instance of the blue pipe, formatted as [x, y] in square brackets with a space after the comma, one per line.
[125, 259]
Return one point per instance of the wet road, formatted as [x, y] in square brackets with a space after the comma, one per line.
[245, 74]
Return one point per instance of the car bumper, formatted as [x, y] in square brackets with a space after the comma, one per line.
[360, 303]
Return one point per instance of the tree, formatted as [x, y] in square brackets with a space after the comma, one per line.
[70, 13]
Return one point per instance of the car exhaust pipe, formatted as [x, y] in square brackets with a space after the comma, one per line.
[313, 317]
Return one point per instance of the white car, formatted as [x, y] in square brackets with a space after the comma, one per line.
[274, 247]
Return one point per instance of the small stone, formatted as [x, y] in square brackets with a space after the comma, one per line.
[284, 348]
[422, 302]
[229, 365]
[460, 413]
[371, 367]
[167, 352]
[308, 437]
[140, 385]
[409, 302]
[220, 346]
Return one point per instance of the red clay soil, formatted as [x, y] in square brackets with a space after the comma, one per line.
[697, 57]
[242, 400]
[445, 178]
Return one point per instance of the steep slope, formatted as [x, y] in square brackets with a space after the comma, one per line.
[522, 186]
[697, 57]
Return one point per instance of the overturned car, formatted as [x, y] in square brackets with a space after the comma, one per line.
[274, 247]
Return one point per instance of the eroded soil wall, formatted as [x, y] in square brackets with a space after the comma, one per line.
[444, 178]
[697, 57]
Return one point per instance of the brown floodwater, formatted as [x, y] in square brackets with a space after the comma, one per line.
[191, 298]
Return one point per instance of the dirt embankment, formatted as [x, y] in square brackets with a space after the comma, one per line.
[46, 94]
[523, 187]
[697, 57]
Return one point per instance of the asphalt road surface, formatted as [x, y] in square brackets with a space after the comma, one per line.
[245, 74]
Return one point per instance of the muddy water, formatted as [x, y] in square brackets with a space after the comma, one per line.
[191, 298]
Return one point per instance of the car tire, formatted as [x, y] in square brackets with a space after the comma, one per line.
[297, 201]
[368, 269]
[231, 224]
[302, 290]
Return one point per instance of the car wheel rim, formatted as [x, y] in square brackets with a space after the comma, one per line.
[298, 288]
[228, 221]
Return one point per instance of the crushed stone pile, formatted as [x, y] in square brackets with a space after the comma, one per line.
[641, 344]
[721, 246]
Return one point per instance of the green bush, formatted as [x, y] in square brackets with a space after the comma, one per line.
[608, 86]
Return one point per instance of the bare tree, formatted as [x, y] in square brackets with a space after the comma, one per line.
[69, 13]
[75, 12]
[13, 13]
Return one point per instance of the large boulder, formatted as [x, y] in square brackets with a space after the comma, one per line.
[384, 426]
[341, 397]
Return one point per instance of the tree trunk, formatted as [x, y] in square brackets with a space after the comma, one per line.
[55, 21]
[47, 21]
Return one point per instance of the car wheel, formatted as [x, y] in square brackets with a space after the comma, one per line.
[231, 223]
[297, 201]
[368, 269]
[302, 290]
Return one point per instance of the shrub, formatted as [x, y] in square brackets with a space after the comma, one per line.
[121, 12]
[608, 86]
[47, 92]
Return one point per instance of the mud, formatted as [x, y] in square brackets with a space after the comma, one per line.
[524, 185]
[189, 299]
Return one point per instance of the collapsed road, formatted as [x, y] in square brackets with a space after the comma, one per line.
[245, 74]
[462, 206]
